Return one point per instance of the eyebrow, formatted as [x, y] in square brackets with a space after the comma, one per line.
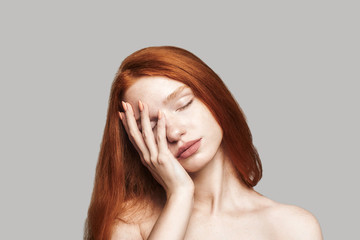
[172, 96]
[175, 94]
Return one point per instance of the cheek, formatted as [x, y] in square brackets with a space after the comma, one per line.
[199, 115]
[214, 131]
[207, 119]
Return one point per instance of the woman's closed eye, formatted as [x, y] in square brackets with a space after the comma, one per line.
[188, 104]
[182, 108]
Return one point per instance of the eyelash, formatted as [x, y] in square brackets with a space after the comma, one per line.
[182, 108]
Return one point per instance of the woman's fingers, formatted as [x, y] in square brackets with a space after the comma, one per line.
[153, 149]
[147, 132]
[134, 133]
[123, 120]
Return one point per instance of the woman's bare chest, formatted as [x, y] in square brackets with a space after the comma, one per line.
[230, 228]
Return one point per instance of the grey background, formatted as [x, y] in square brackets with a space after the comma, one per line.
[293, 66]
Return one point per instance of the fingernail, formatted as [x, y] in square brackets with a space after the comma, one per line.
[141, 106]
[121, 117]
[124, 105]
[159, 115]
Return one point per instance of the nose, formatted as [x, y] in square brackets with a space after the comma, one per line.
[174, 128]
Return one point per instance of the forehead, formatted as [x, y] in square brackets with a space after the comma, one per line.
[152, 89]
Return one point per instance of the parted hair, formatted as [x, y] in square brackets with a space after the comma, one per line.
[122, 182]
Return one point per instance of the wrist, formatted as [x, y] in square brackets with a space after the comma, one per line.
[181, 194]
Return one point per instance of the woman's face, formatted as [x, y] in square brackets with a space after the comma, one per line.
[187, 118]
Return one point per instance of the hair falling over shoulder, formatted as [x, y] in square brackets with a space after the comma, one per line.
[122, 184]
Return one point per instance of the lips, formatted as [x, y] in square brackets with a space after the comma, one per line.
[186, 145]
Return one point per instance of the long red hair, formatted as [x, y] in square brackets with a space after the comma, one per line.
[120, 176]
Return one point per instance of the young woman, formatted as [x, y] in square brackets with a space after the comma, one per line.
[177, 160]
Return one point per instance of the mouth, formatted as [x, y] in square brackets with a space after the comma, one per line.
[188, 149]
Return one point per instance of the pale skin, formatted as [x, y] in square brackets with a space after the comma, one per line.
[205, 200]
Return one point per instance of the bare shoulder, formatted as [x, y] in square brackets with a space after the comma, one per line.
[126, 231]
[293, 222]
[136, 224]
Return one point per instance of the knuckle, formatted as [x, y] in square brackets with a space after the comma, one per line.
[132, 133]
[161, 158]
[160, 161]
[153, 159]
[146, 158]
[145, 135]
[158, 138]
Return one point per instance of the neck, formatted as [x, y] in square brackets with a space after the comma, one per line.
[217, 189]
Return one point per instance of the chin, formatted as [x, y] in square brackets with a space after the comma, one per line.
[194, 164]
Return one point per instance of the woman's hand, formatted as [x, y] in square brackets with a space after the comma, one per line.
[154, 152]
